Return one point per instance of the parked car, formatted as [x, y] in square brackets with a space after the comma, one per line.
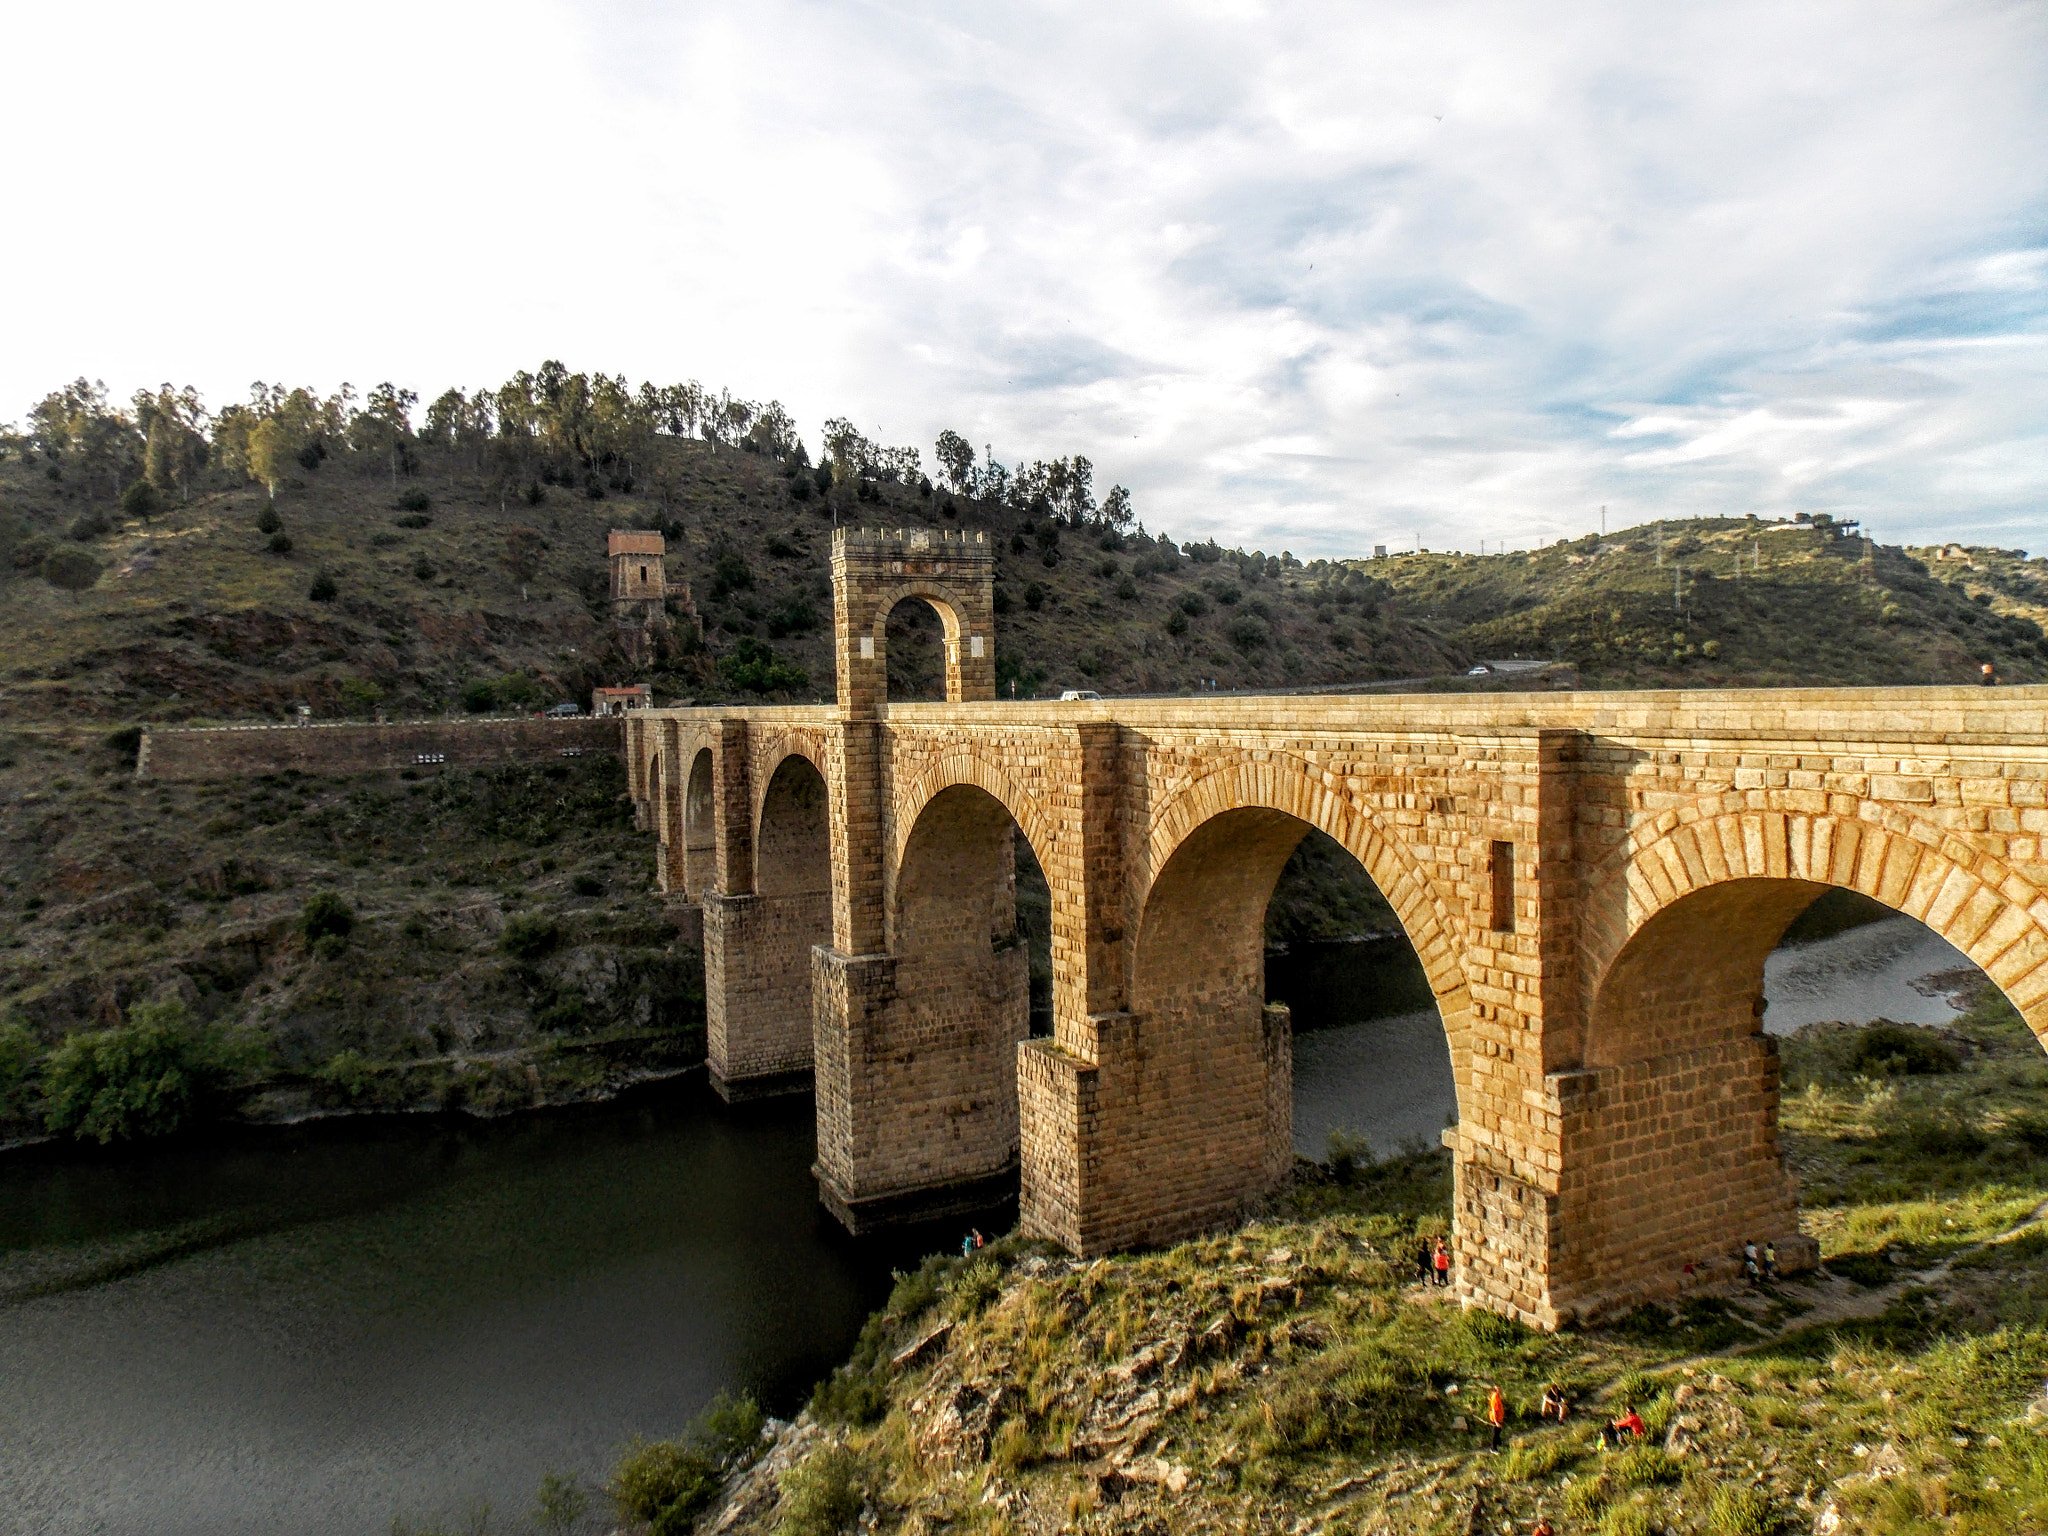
[1073, 695]
[562, 711]
[1479, 671]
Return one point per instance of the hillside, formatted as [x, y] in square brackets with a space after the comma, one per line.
[1291, 1375]
[1739, 602]
[197, 617]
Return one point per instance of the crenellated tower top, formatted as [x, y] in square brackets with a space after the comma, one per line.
[874, 569]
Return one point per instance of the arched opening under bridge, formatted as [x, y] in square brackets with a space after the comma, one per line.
[917, 1086]
[1785, 1063]
[1372, 1066]
[1213, 1097]
[700, 836]
[757, 952]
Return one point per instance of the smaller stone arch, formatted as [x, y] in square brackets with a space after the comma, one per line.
[697, 817]
[875, 569]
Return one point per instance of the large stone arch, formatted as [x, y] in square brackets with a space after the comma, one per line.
[1296, 788]
[1668, 1088]
[1977, 902]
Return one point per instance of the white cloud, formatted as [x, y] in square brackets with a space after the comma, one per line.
[1303, 275]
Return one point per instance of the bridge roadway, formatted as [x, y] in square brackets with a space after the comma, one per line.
[1592, 881]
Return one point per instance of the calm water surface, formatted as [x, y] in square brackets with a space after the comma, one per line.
[403, 1317]
[316, 1329]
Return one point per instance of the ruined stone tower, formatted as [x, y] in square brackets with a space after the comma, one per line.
[639, 588]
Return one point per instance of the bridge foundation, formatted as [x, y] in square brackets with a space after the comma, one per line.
[916, 1086]
[757, 991]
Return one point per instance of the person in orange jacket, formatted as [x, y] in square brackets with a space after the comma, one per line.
[1496, 1414]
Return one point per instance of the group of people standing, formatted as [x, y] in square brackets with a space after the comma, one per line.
[1433, 1263]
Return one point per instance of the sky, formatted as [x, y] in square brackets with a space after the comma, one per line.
[1310, 277]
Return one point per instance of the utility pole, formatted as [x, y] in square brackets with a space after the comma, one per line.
[1603, 523]
[1660, 546]
[1677, 586]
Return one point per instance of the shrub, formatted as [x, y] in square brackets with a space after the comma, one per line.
[323, 589]
[414, 520]
[326, 915]
[422, 568]
[1034, 596]
[267, 521]
[1249, 633]
[587, 885]
[478, 698]
[88, 526]
[415, 500]
[1539, 1458]
[1642, 1465]
[664, 1485]
[1885, 1049]
[1626, 1520]
[31, 552]
[280, 544]
[1193, 604]
[754, 667]
[1344, 1153]
[974, 1287]
[1176, 623]
[1738, 1511]
[71, 570]
[139, 500]
[147, 1077]
[529, 938]
[558, 1504]
[821, 1494]
[795, 617]
[349, 1073]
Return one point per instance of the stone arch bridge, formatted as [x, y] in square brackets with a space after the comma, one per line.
[1592, 881]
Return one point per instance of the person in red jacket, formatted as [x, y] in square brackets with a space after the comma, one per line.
[1496, 1414]
[1628, 1427]
[1443, 1263]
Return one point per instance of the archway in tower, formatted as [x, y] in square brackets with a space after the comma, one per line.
[916, 639]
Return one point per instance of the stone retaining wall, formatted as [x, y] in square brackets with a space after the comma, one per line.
[245, 751]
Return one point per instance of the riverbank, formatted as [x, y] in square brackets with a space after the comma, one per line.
[1292, 1376]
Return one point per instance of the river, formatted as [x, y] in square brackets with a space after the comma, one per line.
[322, 1327]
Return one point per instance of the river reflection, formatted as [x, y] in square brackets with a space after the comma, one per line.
[404, 1316]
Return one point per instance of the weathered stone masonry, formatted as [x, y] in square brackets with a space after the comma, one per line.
[1592, 882]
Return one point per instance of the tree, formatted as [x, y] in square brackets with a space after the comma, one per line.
[1116, 508]
[269, 452]
[523, 549]
[73, 570]
[172, 423]
[384, 424]
[139, 500]
[955, 457]
[323, 589]
[146, 1077]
